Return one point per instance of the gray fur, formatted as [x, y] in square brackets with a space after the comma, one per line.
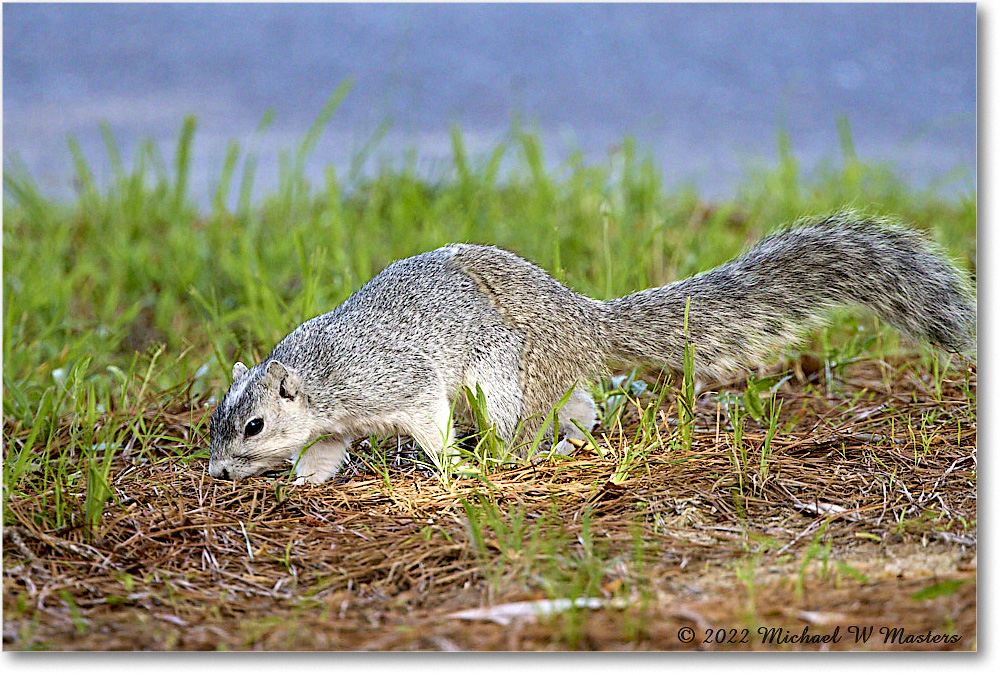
[395, 355]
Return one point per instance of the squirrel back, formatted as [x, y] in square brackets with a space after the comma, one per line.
[396, 355]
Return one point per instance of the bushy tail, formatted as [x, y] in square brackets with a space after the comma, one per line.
[782, 287]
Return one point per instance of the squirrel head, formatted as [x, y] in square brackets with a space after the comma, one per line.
[262, 422]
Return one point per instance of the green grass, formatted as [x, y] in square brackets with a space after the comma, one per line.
[131, 294]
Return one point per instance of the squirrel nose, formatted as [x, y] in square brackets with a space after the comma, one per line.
[217, 471]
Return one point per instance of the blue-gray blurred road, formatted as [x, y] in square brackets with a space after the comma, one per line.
[703, 88]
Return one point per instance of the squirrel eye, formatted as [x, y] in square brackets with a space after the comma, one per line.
[254, 426]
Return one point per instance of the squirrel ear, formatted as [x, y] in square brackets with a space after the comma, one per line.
[239, 371]
[280, 378]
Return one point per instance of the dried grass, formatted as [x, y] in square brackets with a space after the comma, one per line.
[183, 561]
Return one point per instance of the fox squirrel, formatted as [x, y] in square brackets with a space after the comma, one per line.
[395, 355]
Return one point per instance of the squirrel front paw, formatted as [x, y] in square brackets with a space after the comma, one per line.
[313, 479]
[320, 461]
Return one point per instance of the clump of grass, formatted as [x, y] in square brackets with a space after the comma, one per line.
[685, 401]
[490, 450]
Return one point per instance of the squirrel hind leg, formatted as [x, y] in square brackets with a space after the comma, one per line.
[579, 407]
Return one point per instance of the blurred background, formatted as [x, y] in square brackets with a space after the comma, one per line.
[703, 89]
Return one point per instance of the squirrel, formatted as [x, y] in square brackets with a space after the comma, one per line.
[394, 357]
